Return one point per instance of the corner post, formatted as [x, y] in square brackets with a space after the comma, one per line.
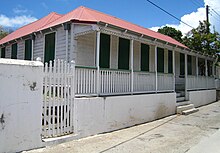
[186, 77]
[197, 67]
[97, 61]
[155, 67]
[174, 73]
[206, 68]
[132, 65]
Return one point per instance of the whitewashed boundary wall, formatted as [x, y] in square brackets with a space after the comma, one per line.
[202, 97]
[20, 105]
[103, 114]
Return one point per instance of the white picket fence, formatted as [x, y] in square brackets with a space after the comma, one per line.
[58, 96]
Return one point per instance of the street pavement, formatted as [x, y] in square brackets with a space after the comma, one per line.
[195, 133]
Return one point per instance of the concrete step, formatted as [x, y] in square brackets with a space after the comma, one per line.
[180, 93]
[179, 99]
[180, 109]
[190, 111]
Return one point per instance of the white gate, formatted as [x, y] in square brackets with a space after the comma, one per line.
[58, 97]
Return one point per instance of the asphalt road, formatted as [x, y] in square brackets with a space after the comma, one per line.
[197, 132]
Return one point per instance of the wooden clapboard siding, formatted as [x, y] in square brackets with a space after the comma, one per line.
[114, 52]
[39, 46]
[137, 55]
[21, 48]
[60, 43]
[86, 50]
[8, 51]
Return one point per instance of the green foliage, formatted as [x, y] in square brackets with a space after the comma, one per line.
[172, 32]
[3, 33]
[201, 39]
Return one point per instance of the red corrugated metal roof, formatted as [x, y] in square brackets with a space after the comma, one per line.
[30, 28]
[88, 15]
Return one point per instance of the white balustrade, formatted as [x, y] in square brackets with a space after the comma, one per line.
[115, 81]
[165, 82]
[200, 82]
[85, 80]
[144, 81]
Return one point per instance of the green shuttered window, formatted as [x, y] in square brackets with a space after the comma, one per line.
[123, 54]
[14, 49]
[28, 48]
[144, 57]
[160, 60]
[49, 50]
[189, 65]
[170, 61]
[104, 51]
[3, 52]
[182, 64]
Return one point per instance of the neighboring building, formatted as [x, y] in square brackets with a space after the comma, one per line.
[115, 57]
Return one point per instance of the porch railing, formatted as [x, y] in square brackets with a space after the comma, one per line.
[165, 82]
[112, 81]
[200, 82]
[85, 79]
[115, 81]
[144, 81]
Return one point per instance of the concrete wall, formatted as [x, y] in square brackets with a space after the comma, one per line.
[98, 115]
[20, 105]
[202, 97]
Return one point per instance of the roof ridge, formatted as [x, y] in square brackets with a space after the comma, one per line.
[125, 21]
[47, 21]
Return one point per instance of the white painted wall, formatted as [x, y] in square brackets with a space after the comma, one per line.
[20, 105]
[8, 51]
[202, 97]
[99, 114]
[86, 50]
[152, 58]
[137, 56]
[39, 46]
[21, 50]
[114, 52]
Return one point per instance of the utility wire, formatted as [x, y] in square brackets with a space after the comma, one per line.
[195, 3]
[170, 14]
[215, 12]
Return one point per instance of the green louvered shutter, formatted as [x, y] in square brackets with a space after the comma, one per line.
[123, 54]
[189, 64]
[182, 64]
[144, 57]
[160, 60]
[14, 49]
[49, 51]
[3, 52]
[170, 61]
[28, 48]
[104, 51]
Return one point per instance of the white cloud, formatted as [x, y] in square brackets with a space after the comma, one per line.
[20, 10]
[15, 22]
[193, 18]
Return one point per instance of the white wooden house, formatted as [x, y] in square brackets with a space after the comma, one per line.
[126, 72]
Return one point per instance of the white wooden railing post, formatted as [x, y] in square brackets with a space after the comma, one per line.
[206, 73]
[131, 65]
[97, 61]
[197, 72]
[32, 46]
[72, 66]
[155, 67]
[174, 73]
[186, 76]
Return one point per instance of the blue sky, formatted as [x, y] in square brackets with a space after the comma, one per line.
[15, 13]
